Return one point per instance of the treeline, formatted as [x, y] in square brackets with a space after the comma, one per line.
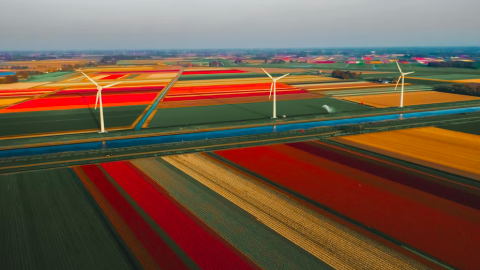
[112, 60]
[470, 89]
[8, 79]
[455, 64]
[345, 75]
[18, 67]
[77, 66]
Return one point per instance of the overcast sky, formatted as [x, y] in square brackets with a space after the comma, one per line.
[170, 24]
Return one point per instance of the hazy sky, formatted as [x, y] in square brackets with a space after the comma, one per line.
[160, 24]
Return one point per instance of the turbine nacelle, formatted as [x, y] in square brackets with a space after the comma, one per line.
[274, 81]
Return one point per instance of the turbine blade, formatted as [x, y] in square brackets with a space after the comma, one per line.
[110, 85]
[271, 88]
[408, 73]
[399, 67]
[89, 79]
[282, 76]
[267, 73]
[96, 101]
[398, 81]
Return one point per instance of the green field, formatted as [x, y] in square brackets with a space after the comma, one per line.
[226, 76]
[248, 111]
[470, 127]
[376, 90]
[23, 123]
[449, 77]
[50, 77]
[49, 221]
[426, 82]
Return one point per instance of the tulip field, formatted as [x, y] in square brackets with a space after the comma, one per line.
[195, 211]
[11, 94]
[230, 94]
[303, 205]
[194, 162]
[205, 96]
[431, 214]
[201, 95]
[85, 98]
[68, 106]
[68, 110]
[452, 151]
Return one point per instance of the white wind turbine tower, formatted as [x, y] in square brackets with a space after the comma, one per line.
[402, 76]
[274, 86]
[99, 97]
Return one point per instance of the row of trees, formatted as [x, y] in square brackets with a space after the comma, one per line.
[470, 89]
[345, 74]
[18, 67]
[8, 79]
[455, 64]
[77, 66]
[112, 60]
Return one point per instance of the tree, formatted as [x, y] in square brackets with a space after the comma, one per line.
[344, 74]
[471, 89]
[455, 64]
[215, 63]
[67, 68]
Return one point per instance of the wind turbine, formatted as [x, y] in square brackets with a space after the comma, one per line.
[99, 97]
[274, 87]
[402, 76]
